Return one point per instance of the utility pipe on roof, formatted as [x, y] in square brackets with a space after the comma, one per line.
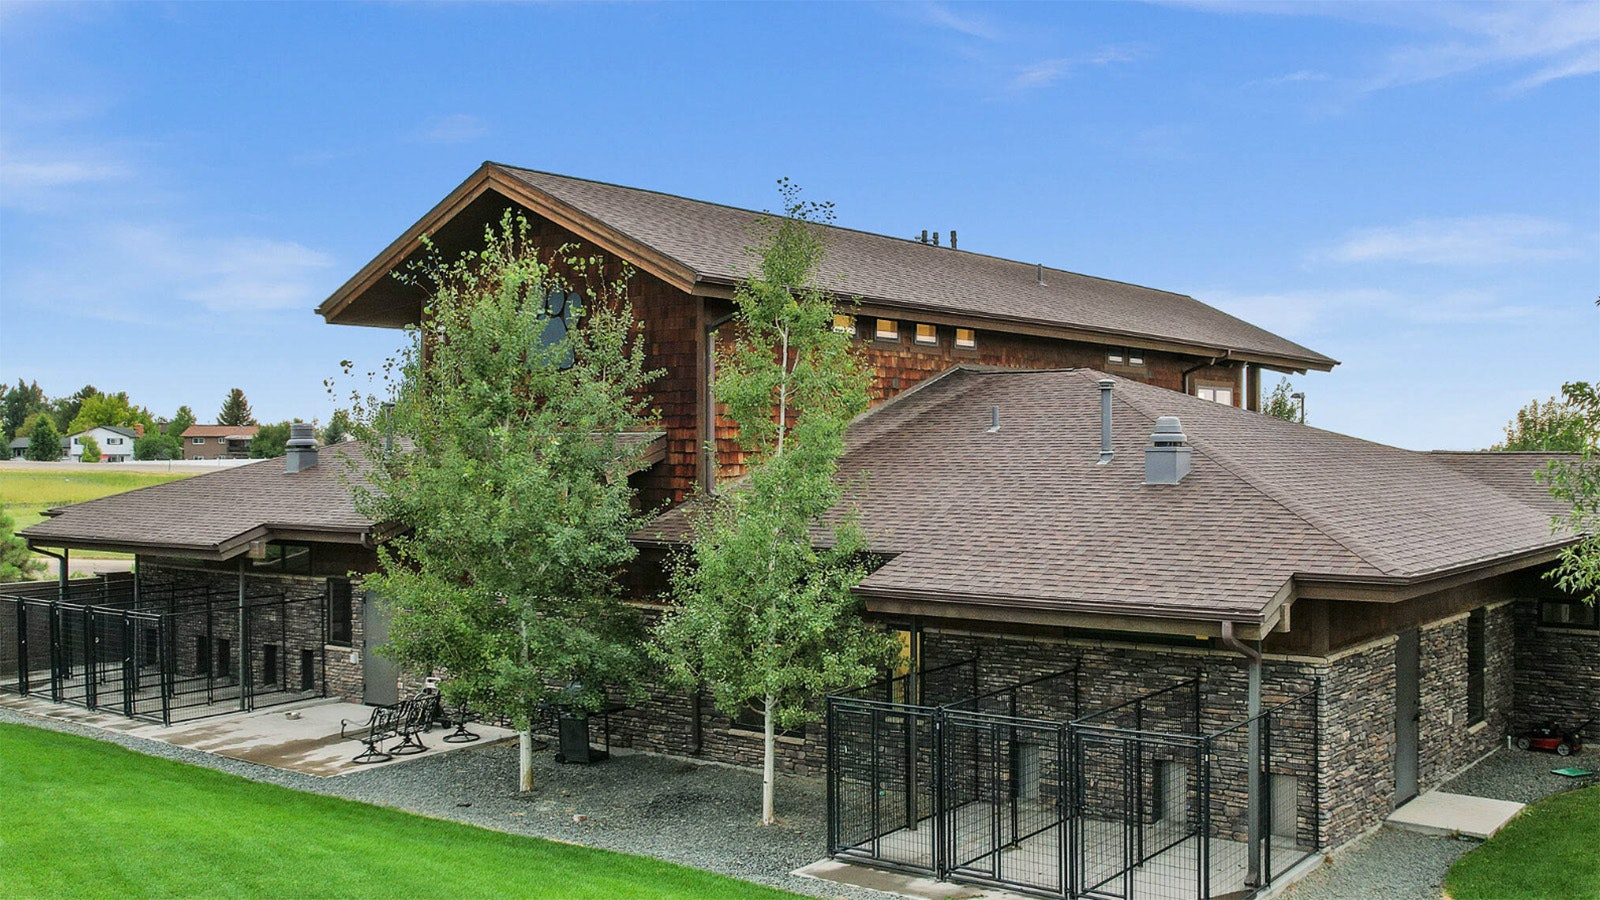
[1252, 754]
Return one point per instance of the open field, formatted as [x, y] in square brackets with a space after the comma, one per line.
[26, 492]
[143, 826]
[1551, 849]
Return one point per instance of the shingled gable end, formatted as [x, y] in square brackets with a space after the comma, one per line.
[1288, 562]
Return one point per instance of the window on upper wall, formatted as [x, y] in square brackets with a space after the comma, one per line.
[1477, 661]
[197, 440]
[966, 339]
[888, 330]
[1568, 614]
[111, 442]
[1125, 356]
[1218, 394]
[927, 335]
[844, 324]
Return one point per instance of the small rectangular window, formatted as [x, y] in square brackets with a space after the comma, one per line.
[1476, 663]
[1217, 394]
[966, 338]
[888, 330]
[927, 335]
[1135, 357]
[340, 620]
[1114, 357]
[1568, 614]
[197, 440]
[1125, 356]
[844, 324]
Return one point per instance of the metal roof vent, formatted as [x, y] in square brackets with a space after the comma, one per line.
[1166, 460]
[301, 451]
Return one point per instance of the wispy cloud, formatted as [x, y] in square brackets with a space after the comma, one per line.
[1464, 241]
[942, 16]
[1046, 72]
[36, 182]
[148, 273]
[1531, 43]
[459, 128]
[1302, 76]
[1306, 314]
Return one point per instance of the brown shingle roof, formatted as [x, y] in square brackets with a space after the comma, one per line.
[240, 431]
[1511, 473]
[1025, 518]
[218, 513]
[711, 239]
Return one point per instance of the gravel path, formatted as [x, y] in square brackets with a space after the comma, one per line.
[698, 815]
[1402, 865]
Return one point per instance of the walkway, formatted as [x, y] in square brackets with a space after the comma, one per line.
[1404, 865]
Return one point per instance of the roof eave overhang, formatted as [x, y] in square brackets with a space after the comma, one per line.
[1098, 617]
[1397, 589]
[723, 288]
[491, 176]
[225, 549]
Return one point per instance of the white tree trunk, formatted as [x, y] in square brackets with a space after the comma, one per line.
[525, 758]
[769, 815]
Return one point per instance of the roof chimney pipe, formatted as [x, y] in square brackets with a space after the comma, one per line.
[952, 239]
[1166, 460]
[1039, 274]
[1105, 420]
[301, 451]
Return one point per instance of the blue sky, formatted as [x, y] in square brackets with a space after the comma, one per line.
[1413, 189]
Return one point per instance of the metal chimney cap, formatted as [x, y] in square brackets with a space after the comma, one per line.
[1107, 384]
[1168, 431]
[302, 434]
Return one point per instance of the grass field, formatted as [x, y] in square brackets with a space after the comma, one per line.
[83, 818]
[1552, 849]
[27, 493]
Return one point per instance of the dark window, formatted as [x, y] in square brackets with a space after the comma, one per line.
[308, 670]
[269, 664]
[1568, 614]
[340, 620]
[753, 717]
[290, 559]
[1476, 662]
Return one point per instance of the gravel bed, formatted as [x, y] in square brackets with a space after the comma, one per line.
[699, 815]
[1406, 866]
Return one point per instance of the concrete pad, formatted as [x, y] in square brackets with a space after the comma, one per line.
[917, 887]
[1454, 815]
[300, 737]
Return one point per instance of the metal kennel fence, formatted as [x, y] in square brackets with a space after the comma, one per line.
[1028, 794]
[165, 653]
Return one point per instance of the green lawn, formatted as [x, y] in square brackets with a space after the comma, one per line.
[27, 493]
[1552, 849]
[83, 818]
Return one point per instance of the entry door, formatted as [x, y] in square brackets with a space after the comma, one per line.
[380, 675]
[1407, 714]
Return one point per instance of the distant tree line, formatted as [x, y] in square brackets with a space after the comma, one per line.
[25, 412]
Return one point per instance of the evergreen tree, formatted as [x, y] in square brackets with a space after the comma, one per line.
[235, 410]
[17, 404]
[339, 427]
[181, 420]
[17, 562]
[44, 442]
[91, 449]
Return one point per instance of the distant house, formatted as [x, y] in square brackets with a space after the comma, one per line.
[19, 448]
[116, 442]
[218, 441]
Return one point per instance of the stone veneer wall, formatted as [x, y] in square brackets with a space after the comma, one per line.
[1450, 740]
[1557, 674]
[295, 626]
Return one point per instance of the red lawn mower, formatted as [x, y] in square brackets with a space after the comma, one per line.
[1549, 738]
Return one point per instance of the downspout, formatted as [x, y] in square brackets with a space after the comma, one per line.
[1184, 378]
[61, 559]
[1252, 753]
[244, 646]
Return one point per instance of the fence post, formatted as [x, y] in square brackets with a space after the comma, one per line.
[1205, 817]
[832, 775]
[1265, 825]
[22, 646]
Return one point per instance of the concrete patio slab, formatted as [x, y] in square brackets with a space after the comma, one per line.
[300, 737]
[900, 884]
[1439, 813]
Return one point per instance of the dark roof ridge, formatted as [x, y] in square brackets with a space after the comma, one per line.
[1215, 455]
[876, 234]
